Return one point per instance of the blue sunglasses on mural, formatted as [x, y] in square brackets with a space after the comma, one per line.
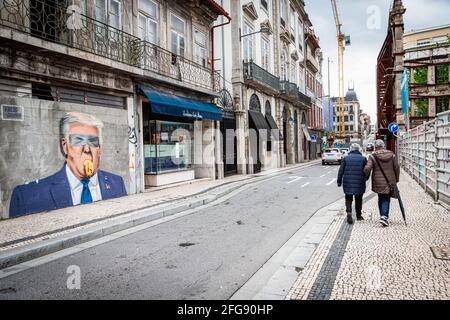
[80, 140]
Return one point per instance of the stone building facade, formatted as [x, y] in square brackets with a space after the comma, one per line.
[272, 48]
[427, 58]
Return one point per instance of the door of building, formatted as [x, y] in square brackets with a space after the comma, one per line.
[228, 132]
[285, 133]
[296, 137]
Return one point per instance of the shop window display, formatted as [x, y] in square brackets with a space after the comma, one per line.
[169, 146]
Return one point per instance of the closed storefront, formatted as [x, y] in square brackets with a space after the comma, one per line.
[177, 137]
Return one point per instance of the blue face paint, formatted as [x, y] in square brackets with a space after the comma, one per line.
[80, 140]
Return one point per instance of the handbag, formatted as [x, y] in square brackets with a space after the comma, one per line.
[393, 189]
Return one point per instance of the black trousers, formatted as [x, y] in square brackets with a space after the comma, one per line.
[358, 203]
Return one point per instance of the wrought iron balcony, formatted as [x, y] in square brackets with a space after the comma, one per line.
[312, 61]
[304, 99]
[253, 72]
[289, 90]
[50, 21]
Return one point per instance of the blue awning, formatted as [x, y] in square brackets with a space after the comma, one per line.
[181, 107]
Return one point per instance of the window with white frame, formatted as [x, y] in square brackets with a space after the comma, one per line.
[293, 77]
[301, 84]
[300, 35]
[177, 35]
[200, 48]
[108, 12]
[265, 5]
[283, 12]
[292, 23]
[284, 64]
[265, 54]
[248, 42]
[148, 21]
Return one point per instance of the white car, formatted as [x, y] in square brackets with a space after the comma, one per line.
[332, 155]
[344, 151]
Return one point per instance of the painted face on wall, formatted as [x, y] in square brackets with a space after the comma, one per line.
[82, 149]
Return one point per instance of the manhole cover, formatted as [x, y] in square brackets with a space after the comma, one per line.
[442, 252]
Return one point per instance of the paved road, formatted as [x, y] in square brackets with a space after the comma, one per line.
[205, 255]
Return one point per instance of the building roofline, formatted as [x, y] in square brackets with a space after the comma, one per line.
[411, 32]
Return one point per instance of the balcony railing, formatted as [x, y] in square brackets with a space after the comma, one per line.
[311, 61]
[289, 89]
[55, 23]
[254, 72]
[304, 99]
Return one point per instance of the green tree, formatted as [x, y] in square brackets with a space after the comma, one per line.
[421, 75]
[442, 104]
[442, 74]
[421, 108]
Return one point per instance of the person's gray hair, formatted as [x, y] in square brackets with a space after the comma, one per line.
[355, 147]
[379, 144]
[81, 118]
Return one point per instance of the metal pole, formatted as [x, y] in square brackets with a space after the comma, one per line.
[330, 123]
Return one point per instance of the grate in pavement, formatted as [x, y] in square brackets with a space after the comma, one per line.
[442, 252]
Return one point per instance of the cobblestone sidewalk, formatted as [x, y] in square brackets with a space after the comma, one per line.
[367, 261]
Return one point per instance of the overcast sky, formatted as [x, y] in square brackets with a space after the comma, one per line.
[359, 20]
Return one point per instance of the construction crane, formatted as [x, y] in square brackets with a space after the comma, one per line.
[340, 38]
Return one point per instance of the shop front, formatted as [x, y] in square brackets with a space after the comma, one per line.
[176, 138]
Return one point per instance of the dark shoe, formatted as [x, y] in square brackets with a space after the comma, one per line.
[359, 218]
[384, 221]
[349, 218]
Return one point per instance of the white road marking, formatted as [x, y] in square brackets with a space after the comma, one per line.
[331, 181]
[305, 185]
[322, 175]
[330, 172]
[295, 179]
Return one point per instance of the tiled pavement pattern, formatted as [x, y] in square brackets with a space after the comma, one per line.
[323, 285]
[307, 277]
[384, 263]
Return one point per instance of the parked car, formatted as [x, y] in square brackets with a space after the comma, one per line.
[344, 151]
[332, 155]
[370, 147]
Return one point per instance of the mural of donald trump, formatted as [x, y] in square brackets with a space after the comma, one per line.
[79, 181]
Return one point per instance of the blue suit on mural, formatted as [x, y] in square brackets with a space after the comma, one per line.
[54, 192]
[80, 180]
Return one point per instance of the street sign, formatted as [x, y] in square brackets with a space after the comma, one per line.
[314, 137]
[393, 127]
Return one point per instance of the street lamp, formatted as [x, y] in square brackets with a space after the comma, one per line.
[264, 29]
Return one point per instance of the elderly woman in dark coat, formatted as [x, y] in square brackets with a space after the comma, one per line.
[351, 175]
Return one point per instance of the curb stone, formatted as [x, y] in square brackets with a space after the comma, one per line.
[126, 220]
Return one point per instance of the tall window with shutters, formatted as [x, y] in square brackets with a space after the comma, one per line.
[200, 48]
[148, 21]
[265, 54]
[177, 35]
[248, 42]
[109, 13]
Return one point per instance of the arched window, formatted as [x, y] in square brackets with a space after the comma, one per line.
[303, 118]
[254, 103]
[225, 101]
[268, 108]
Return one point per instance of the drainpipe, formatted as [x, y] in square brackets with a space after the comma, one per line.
[226, 15]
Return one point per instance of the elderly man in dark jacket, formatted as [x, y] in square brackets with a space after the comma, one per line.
[351, 174]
